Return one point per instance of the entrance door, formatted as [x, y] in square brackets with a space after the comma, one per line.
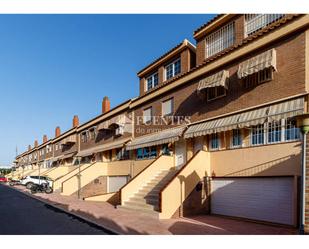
[180, 153]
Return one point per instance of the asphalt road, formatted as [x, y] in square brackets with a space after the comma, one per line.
[23, 215]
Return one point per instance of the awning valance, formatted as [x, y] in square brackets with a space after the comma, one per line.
[262, 61]
[286, 109]
[278, 111]
[217, 79]
[104, 147]
[162, 137]
[69, 140]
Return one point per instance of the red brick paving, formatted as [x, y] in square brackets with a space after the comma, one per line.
[131, 222]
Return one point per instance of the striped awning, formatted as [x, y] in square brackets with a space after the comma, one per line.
[104, 147]
[286, 109]
[69, 140]
[217, 79]
[213, 126]
[249, 118]
[257, 63]
[162, 137]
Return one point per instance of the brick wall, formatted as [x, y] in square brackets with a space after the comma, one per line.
[288, 80]
[95, 187]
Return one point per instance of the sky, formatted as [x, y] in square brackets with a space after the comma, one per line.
[53, 67]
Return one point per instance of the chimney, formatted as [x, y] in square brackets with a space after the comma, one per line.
[57, 131]
[75, 121]
[106, 105]
[29, 147]
[44, 139]
[36, 143]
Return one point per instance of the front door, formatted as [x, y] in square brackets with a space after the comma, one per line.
[180, 153]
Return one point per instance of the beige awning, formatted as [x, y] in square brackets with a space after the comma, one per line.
[257, 63]
[104, 147]
[69, 140]
[69, 155]
[118, 120]
[254, 117]
[286, 109]
[217, 79]
[213, 126]
[162, 137]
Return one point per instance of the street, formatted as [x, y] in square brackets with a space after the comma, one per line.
[22, 215]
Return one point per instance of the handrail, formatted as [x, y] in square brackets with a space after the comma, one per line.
[76, 174]
[176, 175]
[133, 179]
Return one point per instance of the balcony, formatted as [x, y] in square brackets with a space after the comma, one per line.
[255, 22]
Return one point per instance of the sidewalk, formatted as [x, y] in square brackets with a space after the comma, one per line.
[131, 222]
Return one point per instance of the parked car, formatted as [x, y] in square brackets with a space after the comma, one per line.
[3, 179]
[28, 181]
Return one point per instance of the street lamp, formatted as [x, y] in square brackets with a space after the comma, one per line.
[303, 124]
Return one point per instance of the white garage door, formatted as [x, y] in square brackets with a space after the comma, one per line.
[116, 182]
[266, 199]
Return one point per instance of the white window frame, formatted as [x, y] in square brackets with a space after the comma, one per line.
[273, 128]
[264, 134]
[294, 129]
[171, 101]
[173, 69]
[211, 139]
[147, 118]
[152, 77]
[232, 138]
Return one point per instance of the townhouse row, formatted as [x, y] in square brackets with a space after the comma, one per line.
[213, 129]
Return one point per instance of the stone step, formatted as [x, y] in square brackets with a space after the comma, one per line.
[139, 205]
[151, 213]
[149, 201]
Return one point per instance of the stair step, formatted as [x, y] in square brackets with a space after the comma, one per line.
[138, 205]
[151, 213]
[149, 201]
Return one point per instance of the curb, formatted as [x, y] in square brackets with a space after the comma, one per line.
[109, 231]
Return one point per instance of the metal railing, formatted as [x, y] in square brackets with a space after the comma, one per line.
[220, 39]
[254, 22]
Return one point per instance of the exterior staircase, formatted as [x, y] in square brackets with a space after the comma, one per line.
[146, 200]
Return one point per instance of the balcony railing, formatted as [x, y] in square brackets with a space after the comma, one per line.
[220, 39]
[254, 22]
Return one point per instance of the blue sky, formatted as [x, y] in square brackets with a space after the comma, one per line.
[55, 66]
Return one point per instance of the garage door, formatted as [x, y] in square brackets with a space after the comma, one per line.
[266, 199]
[116, 182]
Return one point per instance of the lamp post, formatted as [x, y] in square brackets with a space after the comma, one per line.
[303, 124]
[78, 178]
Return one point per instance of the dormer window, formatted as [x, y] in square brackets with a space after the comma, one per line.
[152, 81]
[172, 69]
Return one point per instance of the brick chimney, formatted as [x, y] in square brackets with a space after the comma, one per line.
[44, 139]
[36, 143]
[29, 147]
[75, 121]
[106, 105]
[57, 131]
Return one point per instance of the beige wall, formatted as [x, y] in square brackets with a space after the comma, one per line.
[269, 160]
[176, 192]
[161, 163]
[59, 171]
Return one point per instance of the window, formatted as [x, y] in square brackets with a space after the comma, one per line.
[258, 78]
[257, 135]
[165, 150]
[152, 81]
[274, 132]
[215, 92]
[167, 107]
[171, 70]
[84, 137]
[291, 130]
[147, 115]
[122, 154]
[56, 147]
[236, 138]
[214, 141]
[220, 39]
[92, 132]
[146, 153]
[254, 22]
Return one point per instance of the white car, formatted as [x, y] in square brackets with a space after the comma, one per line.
[28, 181]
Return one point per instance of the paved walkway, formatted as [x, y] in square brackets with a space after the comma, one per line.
[131, 222]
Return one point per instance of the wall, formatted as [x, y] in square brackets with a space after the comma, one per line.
[306, 212]
[289, 80]
[59, 171]
[267, 160]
